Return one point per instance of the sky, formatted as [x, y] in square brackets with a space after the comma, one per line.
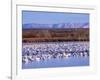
[40, 17]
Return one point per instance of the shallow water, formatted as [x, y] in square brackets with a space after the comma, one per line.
[69, 62]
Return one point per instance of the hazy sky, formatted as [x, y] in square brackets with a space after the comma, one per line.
[53, 17]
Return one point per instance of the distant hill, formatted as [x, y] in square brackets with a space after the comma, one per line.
[60, 25]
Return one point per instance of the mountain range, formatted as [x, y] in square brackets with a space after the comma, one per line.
[59, 25]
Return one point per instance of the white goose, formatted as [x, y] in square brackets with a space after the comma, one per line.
[25, 59]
